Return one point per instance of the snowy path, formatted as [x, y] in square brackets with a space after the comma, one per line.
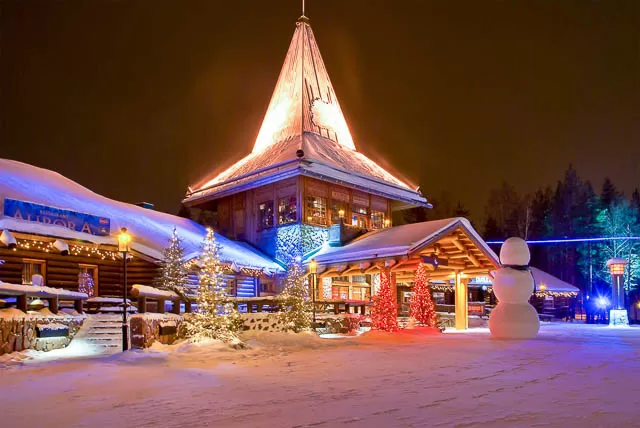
[572, 375]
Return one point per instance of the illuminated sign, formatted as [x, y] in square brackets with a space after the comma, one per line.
[36, 213]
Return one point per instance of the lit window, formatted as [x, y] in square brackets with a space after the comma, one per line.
[336, 207]
[287, 210]
[316, 210]
[30, 268]
[340, 293]
[267, 287]
[377, 219]
[265, 214]
[359, 217]
[88, 279]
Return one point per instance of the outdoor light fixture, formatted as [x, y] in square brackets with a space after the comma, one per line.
[602, 302]
[313, 269]
[543, 287]
[124, 246]
[341, 214]
[61, 246]
[618, 313]
[387, 223]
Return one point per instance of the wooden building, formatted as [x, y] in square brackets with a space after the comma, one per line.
[304, 172]
[53, 227]
[306, 191]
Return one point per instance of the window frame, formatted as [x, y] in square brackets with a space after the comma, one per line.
[95, 275]
[310, 209]
[261, 217]
[43, 268]
[288, 203]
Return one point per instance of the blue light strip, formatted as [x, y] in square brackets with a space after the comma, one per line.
[575, 240]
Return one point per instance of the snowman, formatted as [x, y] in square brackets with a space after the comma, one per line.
[514, 317]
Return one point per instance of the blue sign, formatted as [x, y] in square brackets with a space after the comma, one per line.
[35, 213]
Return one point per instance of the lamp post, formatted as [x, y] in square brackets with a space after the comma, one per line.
[313, 268]
[618, 313]
[124, 246]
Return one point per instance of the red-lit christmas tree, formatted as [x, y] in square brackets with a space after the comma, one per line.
[422, 309]
[384, 313]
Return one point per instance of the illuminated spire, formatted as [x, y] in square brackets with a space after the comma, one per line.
[304, 100]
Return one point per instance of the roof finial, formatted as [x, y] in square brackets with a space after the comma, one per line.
[302, 7]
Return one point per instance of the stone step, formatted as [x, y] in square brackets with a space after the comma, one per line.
[104, 339]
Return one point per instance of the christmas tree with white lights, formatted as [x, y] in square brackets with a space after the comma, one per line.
[384, 313]
[295, 299]
[216, 317]
[422, 308]
[174, 275]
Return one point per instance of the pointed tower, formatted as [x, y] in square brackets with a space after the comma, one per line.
[304, 168]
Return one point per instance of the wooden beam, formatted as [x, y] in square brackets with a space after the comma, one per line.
[328, 272]
[371, 269]
[406, 264]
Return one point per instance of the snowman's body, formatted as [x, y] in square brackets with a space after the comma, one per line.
[514, 317]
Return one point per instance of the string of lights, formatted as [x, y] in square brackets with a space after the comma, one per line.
[575, 240]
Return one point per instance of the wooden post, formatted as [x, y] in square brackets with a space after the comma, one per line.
[22, 302]
[161, 306]
[142, 304]
[187, 306]
[462, 306]
[175, 307]
[53, 304]
[77, 304]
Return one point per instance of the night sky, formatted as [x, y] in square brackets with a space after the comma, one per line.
[137, 99]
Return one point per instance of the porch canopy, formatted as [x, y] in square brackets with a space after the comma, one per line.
[449, 248]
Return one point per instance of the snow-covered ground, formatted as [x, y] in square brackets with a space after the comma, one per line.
[571, 375]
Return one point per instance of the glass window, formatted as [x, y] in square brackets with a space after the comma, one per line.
[316, 210]
[359, 217]
[267, 286]
[336, 207]
[377, 219]
[341, 293]
[287, 210]
[30, 268]
[265, 214]
[231, 288]
[88, 279]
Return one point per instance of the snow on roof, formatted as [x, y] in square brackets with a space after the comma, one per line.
[399, 241]
[304, 114]
[149, 229]
[551, 283]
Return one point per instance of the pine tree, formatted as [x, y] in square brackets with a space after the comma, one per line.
[216, 317]
[422, 308]
[174, 275]
[609, 193]
[384, 313]
[295, 299]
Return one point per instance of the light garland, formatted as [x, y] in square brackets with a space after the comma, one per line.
[74, 249]
[556, 293]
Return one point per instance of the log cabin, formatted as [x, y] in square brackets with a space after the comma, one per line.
[62, 231]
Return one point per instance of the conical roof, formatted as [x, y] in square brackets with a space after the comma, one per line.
[304, 133]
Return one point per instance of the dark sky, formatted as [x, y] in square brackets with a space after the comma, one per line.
[137, 99]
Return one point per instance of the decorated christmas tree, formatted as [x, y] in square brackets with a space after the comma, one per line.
[216, 317]
[384, 313]
[85, 283]
[174, 275]
[295, 298]
[422, 309]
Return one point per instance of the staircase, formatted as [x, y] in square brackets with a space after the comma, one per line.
[103, 331]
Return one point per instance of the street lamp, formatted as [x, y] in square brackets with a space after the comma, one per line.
[313, 268]
[618, 313]
[124, 246]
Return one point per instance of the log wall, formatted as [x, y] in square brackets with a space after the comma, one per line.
[62, 271]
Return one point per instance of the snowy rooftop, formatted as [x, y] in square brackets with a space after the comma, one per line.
[400, 241]
[150, 229]
[551, 283]
[304, 114]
